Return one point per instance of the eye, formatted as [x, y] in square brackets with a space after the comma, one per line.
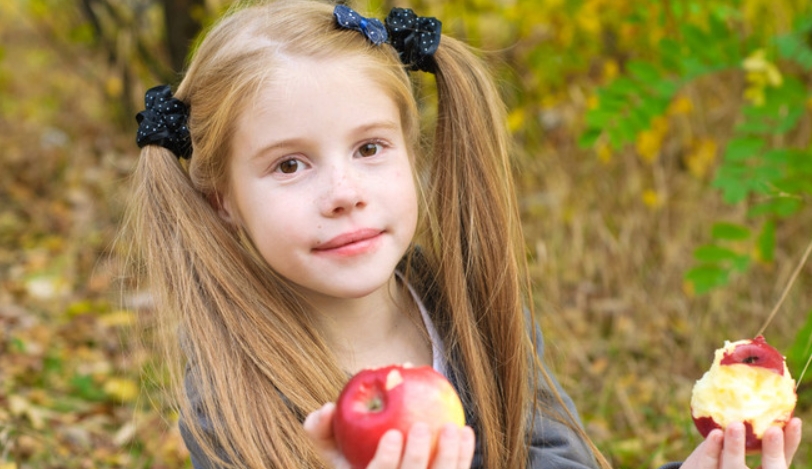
[369, 149]
[289, 166]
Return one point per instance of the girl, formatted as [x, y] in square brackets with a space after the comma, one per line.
[296, 227]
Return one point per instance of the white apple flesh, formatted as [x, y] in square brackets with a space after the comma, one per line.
[748, 382]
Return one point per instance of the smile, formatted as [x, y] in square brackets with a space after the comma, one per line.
[356, 242]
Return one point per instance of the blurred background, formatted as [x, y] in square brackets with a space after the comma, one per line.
[664, 156]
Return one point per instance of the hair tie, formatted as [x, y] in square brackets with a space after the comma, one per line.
[163, 122]
[416, 38]
[372, 28]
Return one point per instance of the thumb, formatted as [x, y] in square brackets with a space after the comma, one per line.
[319, 423]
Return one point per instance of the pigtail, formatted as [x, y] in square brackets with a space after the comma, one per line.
[476, 235]
[478, 247]
[206, 284]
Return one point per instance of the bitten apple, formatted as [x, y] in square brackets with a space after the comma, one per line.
[748, 382]
[392, 397]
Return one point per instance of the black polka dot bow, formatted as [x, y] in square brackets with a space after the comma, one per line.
[416, 38]
[372, 28]
[163, 122]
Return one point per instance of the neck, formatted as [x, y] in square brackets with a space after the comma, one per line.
[374, 330]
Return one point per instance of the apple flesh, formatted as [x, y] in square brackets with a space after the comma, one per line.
[748, 382]
[392, 397]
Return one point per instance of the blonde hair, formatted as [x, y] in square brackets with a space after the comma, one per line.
[255, 359]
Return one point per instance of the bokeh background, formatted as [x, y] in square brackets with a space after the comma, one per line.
[664, 157]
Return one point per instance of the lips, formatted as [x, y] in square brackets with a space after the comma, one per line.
[347, 241]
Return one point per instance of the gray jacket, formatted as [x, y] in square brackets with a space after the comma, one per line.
[551, 444]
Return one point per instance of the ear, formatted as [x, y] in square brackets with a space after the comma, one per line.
[224, 207]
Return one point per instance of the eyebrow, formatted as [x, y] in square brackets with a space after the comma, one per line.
[385, 125]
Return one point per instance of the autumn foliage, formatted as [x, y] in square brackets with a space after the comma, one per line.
[664, 159]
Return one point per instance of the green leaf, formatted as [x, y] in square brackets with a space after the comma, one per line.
[754, 126]
[706, 277]
[730, 231]
[665, 88]
[712, 254]
[732, 180]
[85, 387]
[785, 206]
[790, 120]
[589, 137]
[741, 263]
[743, 148]
[643, 71]
[671, 54]
[599, 118]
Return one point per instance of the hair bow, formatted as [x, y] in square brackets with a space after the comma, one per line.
[372, 28]
[416, 38]
[163, 122]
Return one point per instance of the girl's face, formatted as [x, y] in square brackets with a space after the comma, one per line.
[321, 179]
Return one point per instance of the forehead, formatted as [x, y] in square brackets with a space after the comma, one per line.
[303, 95]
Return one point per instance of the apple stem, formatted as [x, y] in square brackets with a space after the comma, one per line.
[375, 404]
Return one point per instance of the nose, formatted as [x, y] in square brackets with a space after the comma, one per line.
[343, 191]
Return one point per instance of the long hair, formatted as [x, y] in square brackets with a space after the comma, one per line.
[242, 335]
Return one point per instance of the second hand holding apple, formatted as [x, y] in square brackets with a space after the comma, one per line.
[455, 449]
[726, 449]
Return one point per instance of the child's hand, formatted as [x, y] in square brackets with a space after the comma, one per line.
[455, 450]
[725, 450]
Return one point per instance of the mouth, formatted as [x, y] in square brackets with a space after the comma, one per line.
[346, 241]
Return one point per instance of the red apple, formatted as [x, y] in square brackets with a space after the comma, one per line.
[748, 382]
[392, 397]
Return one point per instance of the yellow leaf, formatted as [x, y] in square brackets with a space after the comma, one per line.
[701, 157]
[592, 102]
[516, 119]
[681, 106]
[648, 145]
[114, 87]
[610, 70]
[118, 318]
[8, 465]
[651, 199]
[604, 152]
[659, 125]
[121, 389]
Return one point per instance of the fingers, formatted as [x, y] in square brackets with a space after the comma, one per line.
[792, 439]
[772, 449]
[779, 446]
[318, 424]
[390, 447]
[733, 449]
[418, 447]
[708, 454]
[467, 447]
[455, 449]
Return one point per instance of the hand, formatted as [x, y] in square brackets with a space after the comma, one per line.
[725, 450]
[455, 449]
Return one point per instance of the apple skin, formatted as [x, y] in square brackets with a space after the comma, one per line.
[748, 382]
[376, 400]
